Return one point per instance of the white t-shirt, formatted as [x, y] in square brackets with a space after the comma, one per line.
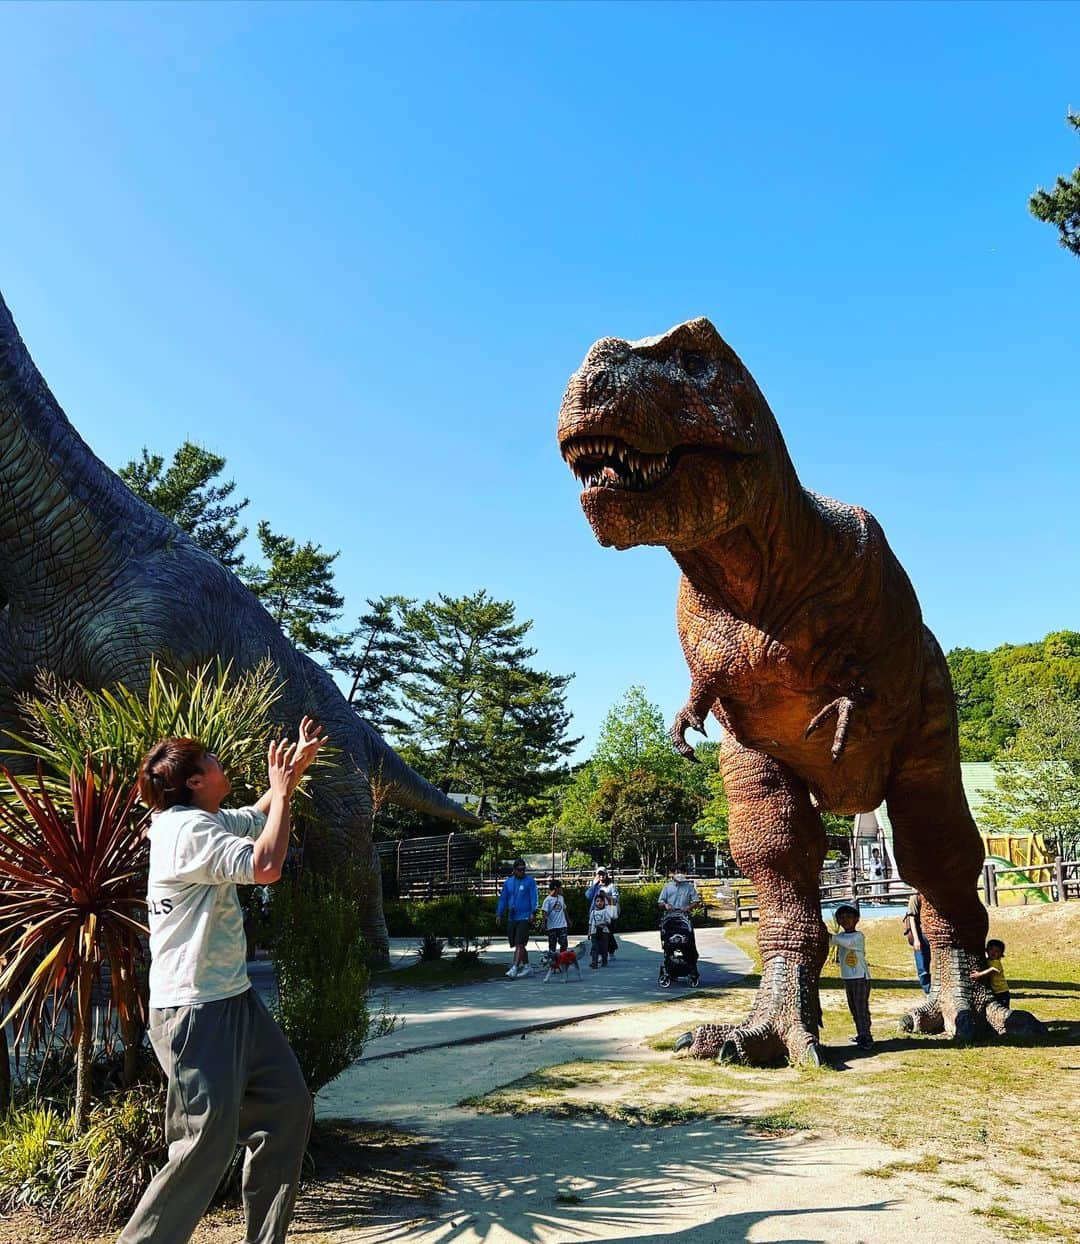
[198, 952]
[600, 918]
[554, 909]
[851, 955]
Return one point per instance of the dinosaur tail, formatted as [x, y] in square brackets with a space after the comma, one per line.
[404, 786]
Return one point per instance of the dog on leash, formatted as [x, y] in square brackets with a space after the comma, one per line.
[561, 961]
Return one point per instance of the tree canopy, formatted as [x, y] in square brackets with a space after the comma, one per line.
[1061, 205]
[185, 491]
[989, 685]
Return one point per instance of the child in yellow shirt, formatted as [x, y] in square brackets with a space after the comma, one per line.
[994, 973]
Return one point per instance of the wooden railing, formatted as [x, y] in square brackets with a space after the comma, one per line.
[1057, 882]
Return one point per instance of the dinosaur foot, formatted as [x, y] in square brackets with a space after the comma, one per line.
[964, 1009]
[783, 1025]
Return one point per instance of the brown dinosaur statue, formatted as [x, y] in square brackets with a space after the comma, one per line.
[805, 640]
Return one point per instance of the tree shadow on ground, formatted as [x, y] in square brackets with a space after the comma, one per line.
[542, 1179]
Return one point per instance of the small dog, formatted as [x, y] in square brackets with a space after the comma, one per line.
[561, 961]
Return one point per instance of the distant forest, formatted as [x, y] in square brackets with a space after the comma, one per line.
[992, 688]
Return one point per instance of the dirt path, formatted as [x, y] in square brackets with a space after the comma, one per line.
[539, 1180]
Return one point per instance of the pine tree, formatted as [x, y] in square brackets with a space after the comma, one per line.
[376, 657]
[297, 588]
[185, 493]
[1061, 206]
[482, 719]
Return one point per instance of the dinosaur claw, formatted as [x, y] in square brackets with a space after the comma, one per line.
[812, 1055]
[729, 1052]
[684, 1042]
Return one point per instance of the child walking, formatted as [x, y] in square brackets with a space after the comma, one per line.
[851, 956]
[599, 921]
[553, 917]
[994, 973]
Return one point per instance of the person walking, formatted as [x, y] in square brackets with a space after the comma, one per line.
[679, 894]
[232, 1077]
[604, 884]
[519, 901]
[916, 939]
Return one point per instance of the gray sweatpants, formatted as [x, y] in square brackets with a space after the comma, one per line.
[232, 1079]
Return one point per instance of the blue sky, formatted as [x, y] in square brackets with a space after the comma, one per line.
[359, 249]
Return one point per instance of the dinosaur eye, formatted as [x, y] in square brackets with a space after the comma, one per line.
[693, 364]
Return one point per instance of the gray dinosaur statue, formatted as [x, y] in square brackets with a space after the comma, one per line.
[93, 581]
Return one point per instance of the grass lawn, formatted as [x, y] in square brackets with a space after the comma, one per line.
[438, 974]
[994, 1126]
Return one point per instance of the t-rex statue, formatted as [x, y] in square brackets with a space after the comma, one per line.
[94, 582]
[804, 638]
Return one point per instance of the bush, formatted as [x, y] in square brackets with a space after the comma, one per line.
[430, 948]
[34, 1158]
[121, 1150]
[443, 916]
[317, 945]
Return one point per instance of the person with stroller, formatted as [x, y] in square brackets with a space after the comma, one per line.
[603, 884]
[680, 896]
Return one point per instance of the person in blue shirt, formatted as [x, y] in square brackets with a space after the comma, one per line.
[519, 901]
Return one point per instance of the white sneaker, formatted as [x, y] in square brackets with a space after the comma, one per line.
[513, 971]
[524, 970]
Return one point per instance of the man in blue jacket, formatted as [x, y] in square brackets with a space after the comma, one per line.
[519, 901]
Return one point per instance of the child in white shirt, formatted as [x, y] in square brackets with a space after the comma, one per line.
[599, 919]
[851, 956]
[553, 917]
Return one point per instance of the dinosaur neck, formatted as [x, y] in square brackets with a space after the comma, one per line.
[762, 570]
[63, 515]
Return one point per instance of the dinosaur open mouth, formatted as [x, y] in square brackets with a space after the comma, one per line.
[607, 462]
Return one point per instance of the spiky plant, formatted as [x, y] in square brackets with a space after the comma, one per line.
[230, 715]
[74, 895]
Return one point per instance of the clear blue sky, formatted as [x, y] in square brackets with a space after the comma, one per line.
[358, 250]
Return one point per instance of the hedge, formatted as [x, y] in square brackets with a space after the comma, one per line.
[451, 916]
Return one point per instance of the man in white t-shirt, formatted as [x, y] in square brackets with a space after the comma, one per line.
[232, 1076]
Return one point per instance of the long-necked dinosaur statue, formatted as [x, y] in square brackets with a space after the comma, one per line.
[94, 581]
[805, 640]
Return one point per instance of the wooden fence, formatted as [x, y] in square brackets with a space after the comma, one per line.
[1057, 882]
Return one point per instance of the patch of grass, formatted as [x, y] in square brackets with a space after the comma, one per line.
[944, 1196]
[1023, 1222]
[439, 974]
[963, 1182]
[925, 1165]
[780, 1122]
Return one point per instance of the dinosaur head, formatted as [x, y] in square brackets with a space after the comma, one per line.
[670, 436]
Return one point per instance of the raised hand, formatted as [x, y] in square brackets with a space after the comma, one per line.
[312, 738]
[281, 767]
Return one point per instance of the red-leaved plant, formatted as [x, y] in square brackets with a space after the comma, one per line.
[72, 873]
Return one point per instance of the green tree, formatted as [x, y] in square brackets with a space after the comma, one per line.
[635, 805]
[376, 657]
[187, 493]
[1038, 777]
[480, 717]
[989, 685]
[633, 736]
[1061, 206]
[297, 587]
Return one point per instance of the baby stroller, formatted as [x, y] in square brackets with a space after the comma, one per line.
[680, 957]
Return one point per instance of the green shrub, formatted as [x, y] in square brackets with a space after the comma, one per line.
[317, 944]
[443, 916]
[430, 948]
[35, 1144]
[113, 1161]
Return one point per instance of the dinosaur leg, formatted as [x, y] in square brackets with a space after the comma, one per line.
[778, 841]
[939, 852]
